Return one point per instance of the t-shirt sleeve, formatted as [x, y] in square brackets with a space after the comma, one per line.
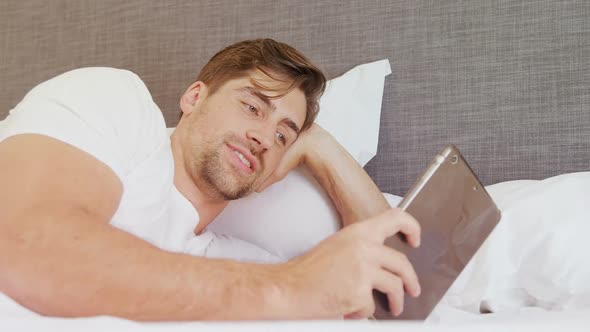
[106, 112]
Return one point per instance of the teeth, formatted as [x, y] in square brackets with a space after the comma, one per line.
[242, 158]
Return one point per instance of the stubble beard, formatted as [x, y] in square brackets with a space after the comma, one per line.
[221, 181]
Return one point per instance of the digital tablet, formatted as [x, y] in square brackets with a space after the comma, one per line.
[456, 215]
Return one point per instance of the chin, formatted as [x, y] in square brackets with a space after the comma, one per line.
[232, 193]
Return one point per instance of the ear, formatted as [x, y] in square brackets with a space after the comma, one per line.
[195, 94]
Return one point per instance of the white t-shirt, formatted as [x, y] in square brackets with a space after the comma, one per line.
[109, 113]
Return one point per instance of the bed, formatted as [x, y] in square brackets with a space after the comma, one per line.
[507, 81]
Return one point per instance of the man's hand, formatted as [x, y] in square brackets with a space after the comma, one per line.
[354, 194]
[337, 277]
[298, 153]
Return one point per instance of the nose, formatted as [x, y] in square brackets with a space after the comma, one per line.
[262, 138]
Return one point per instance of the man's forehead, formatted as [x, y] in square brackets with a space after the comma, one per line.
[276, 92]
[251, 90]
[271, 86]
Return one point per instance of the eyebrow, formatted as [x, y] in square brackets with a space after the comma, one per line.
[256, 93]
[292, 125]
[266, 100]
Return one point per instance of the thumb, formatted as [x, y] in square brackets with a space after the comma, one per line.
[354, 315]
[290, 160]
[270, 180]
[265, 184]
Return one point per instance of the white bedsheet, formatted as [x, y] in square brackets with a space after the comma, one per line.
[525, 320]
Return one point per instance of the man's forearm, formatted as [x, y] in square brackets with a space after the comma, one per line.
[352, 191]
[80, 267]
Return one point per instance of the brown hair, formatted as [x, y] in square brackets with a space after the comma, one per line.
[277, 60]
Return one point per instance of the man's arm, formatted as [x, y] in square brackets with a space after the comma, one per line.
[353, 192]
[350, 188]
[60, 257]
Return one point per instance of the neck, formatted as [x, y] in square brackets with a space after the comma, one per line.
[208, 208]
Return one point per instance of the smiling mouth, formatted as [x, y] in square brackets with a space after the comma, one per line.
[247, 163]
[243, 159]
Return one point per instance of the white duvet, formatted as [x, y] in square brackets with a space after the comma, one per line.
[539, 254]
[532, 274]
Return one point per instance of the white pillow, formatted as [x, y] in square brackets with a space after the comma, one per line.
[350, 109]
[538, 254]
[287, 219]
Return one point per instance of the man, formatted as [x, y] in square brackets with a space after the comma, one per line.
[87, 168]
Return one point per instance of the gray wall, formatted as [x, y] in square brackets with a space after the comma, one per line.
[507, 81]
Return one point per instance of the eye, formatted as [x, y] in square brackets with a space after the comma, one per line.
[251, 109]
[281, 138]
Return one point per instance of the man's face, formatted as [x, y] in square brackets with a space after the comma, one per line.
[237, 136]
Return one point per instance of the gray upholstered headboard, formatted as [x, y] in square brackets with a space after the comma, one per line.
[507, 81]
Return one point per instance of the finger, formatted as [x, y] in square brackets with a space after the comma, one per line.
[393, 287]
[270, 180]
[366, 311]
[354, 315]
[264, 184]
[393, 221]
[397, 263]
